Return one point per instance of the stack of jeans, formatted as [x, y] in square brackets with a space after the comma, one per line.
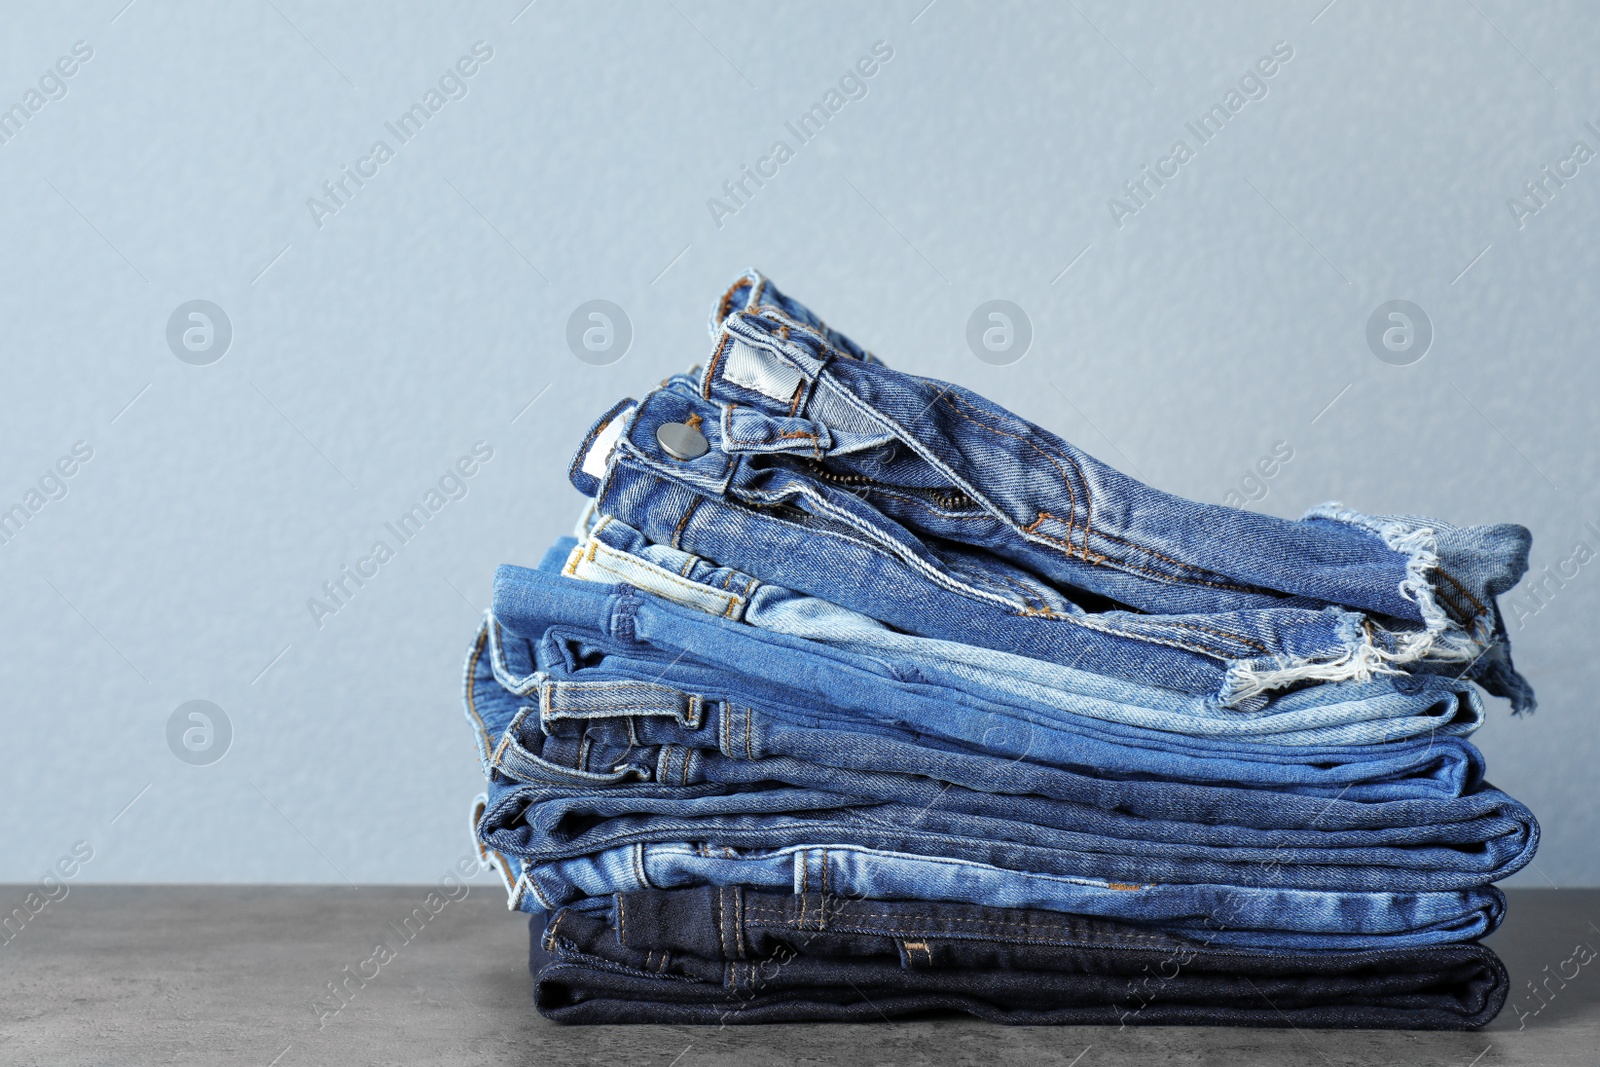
[855, 695]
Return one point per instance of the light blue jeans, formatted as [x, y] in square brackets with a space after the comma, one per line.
[1289, 919]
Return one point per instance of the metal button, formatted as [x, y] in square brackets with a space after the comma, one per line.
[681, 441]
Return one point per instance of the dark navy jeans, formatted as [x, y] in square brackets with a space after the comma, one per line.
[728, 956]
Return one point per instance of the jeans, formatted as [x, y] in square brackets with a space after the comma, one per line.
[931, 509]
[562, 727]
[615, 633]
[1239, 916]
[1317, 716]
[610, 786]
[740, 956]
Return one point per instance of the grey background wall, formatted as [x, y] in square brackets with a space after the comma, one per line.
[379, 337]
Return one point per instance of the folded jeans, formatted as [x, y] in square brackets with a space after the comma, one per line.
[736, 956]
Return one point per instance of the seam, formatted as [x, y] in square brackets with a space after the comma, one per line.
[716, 360]
[738, 927]
[1463, 590]
[472, 679]
[1452, 603]
[677, 533]
[1085, 551]
[661, 572]
[747, 753]
[622, 920]
[550, 934]
[1190, 577]
[1029, 600]
[725, 305]
[1071, 494]
[721, 934]
[638, 866]
[926, 924]
[606, 711]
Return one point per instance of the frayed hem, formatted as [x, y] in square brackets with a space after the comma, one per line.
[1369, 652]
[1481, 643]
[1418, 542]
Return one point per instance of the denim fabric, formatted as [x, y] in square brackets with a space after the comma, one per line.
[563, 727]
[1313, 717]
[541, 810]
[925, 506]
[614, 632]
[546, 823]
[1238, 916]
[734, 956]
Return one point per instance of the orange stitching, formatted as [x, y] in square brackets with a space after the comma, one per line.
[1215, 633]
[550, 934]
[1441, 572]
[726, 304]
[1072, 498]
[677, 533]
[1190, 569]
[472, 677]
[1088, 504]
[711, 364]
[1028, 599]
[694, 422]
[622, 921]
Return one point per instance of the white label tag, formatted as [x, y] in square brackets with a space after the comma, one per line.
[757, 369]
[594, 461]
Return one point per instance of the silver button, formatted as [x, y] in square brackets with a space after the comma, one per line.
[681, 441]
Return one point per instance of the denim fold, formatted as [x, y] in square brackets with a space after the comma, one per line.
[731, 956]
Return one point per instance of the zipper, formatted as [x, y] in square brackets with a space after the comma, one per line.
[949, 500]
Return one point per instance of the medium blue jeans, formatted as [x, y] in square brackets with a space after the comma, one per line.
[1314, 717]
[541, 810]
[617, 633]
[929, 508]
[1246, 917]
[562, 727]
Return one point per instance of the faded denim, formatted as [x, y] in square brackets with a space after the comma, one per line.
[925, 506]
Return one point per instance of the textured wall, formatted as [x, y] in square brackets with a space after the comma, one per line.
[377, 338]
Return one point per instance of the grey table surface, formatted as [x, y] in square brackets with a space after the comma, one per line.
[233, 975]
